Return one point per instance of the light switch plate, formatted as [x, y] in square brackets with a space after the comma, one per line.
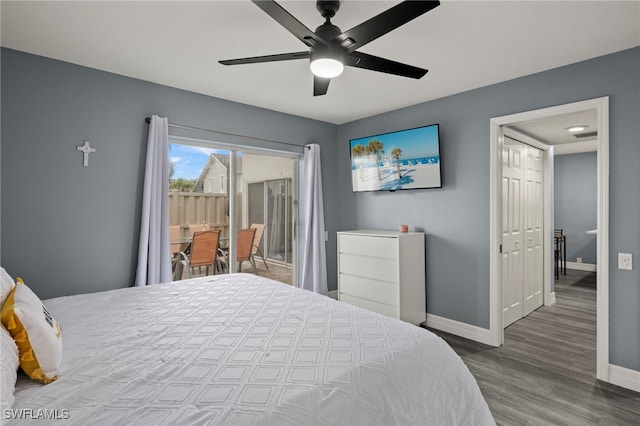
[625, 261]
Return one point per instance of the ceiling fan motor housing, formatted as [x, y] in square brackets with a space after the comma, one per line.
[325, 53]
[327, 32]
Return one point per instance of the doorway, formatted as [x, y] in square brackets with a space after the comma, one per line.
[601, 106]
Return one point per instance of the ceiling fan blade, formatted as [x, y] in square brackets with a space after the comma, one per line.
[267, 58]
[290, 23]
[320, 85]
[383, 23]
[375, 63]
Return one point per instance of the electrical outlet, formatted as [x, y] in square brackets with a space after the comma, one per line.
[579, 260]
[624, 261]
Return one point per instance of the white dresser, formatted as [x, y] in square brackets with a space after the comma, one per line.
[383, 271]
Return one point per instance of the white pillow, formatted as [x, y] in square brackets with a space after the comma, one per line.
[8, 369]
[6, 285]
[36, 333]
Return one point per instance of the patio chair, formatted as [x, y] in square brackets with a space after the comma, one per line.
[257, 240]
[204, 251]
[244, 244]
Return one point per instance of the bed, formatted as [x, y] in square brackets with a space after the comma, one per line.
[241, 349]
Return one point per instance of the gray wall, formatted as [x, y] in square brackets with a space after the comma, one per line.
[575, 189]
[70, 229]
[456, 217]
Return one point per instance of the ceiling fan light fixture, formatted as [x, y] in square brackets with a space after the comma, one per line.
[326, 67]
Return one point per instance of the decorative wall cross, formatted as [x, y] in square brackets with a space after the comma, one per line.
[86, 149]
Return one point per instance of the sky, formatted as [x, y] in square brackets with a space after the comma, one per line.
[189, 160]
[415, 143]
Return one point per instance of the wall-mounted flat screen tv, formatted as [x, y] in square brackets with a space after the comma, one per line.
[406, 159]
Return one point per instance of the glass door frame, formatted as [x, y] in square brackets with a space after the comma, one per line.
[288, 216]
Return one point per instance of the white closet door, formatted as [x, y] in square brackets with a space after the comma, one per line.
[533, 235]
[513, 154]
[522, 230]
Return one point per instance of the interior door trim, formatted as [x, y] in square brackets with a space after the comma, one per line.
[601, 105]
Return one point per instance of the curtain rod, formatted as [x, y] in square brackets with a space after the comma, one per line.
[182, 126]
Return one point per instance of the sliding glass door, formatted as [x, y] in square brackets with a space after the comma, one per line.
[232, 189]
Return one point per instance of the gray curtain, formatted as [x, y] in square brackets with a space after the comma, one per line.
[314, 261]
[154, 257]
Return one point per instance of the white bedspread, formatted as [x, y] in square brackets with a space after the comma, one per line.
[240, 349]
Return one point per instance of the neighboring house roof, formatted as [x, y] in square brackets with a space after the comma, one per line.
[214, 159]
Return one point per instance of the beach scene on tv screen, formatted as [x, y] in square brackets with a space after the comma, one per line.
[409, 159]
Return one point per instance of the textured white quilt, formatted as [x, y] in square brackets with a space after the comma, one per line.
[240, 349]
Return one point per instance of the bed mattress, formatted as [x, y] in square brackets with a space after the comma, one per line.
[240, 349]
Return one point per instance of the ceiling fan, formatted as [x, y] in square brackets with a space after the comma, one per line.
[330, 49]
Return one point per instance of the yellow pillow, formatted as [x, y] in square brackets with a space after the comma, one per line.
[36, 333]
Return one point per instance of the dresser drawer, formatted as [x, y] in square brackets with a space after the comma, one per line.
[390, 311]
[369, 267]
[377, 291]
[369, 246]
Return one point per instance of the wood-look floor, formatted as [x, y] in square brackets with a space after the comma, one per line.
[544, 374]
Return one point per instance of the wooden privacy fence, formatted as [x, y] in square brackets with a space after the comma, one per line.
[196, 208]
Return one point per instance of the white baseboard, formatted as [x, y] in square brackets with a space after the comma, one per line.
[333, 294]
[582, 266]
[624, 377]
[468, 331]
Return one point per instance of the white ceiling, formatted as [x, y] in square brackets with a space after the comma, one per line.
[553, 130]
[464, 44]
